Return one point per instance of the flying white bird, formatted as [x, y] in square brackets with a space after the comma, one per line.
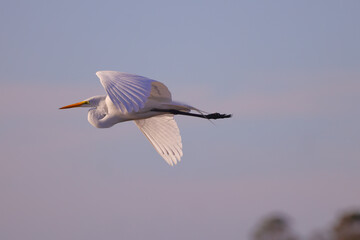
[148, 103]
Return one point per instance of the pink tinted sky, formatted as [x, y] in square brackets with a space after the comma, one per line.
[62, 178]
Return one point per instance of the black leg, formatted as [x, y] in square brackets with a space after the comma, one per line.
[208, 116]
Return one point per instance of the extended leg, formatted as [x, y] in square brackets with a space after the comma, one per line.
[207, 116]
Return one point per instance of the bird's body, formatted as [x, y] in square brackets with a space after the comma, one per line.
[147, 102]
[106, 114]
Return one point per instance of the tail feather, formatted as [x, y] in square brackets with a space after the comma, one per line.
[182, 107]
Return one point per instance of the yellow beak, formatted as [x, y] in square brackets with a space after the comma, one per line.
[79, 104]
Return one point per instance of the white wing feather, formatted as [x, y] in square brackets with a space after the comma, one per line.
[128, 92]
[160, 92]
[163, 133]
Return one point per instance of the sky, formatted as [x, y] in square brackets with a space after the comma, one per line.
[288, 71]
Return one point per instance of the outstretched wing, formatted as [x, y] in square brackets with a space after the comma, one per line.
[163, 133]
[160, 92]
[128, 92]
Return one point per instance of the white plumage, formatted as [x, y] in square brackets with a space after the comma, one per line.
[163, 133]
[128, 92]
[148, 103]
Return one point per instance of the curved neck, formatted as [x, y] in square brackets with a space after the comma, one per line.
[100, 119]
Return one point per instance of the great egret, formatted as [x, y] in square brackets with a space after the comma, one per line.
[148, 103]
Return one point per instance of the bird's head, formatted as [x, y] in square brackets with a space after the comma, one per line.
[90, 102]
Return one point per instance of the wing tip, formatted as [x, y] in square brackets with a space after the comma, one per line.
[171, 160]
[105, 72]
[99, 73]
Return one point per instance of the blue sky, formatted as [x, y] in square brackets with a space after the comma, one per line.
[288, 71]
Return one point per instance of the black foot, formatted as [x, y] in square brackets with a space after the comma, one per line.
[217, 116]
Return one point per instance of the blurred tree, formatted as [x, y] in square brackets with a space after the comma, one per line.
[274, 228]
[348, 227]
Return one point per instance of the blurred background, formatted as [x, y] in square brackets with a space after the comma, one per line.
[286, 166]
